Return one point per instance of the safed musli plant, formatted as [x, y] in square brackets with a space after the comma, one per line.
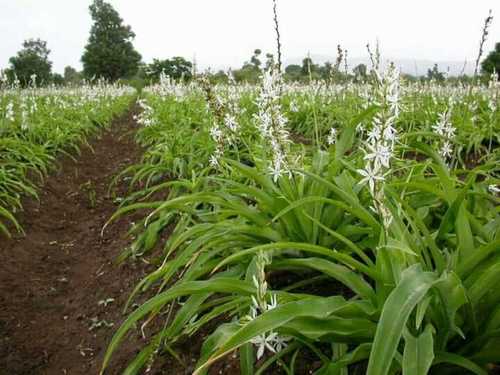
[388, 203]
[428, 291]
[36, 125]
[382, 211]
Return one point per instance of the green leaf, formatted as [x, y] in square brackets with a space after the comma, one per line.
[246, 359]
[221, 285]
[412, 288]
[419, 352]
[457, 360]
[318, 307]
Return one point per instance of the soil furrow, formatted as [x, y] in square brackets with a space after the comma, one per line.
[61, 293]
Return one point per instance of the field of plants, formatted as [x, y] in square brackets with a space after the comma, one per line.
[324, 218]
[320, 228]
[295, 228]
[37, 125]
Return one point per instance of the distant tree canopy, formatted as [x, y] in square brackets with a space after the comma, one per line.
[71, 76]
[58, 79]
[32, 60]
[251, 70]
[176, 67]
[109, 52]
[360, 72]
[435, 74]
[293, 72]
[492, 62]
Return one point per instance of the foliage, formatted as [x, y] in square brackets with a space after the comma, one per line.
[72, 76]
[37, 125]
[176, 68]
[109, 53]
[435, 74]
[491, 63]
[31, 65]
[360, 72]
[314, 261]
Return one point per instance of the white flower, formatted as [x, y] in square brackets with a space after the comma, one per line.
[9, 112]
[215, 132]
[332, 137]
[264, 342]
[231, 122]
[446, 150]
[280, 342]
[370, 176]
[214, 161]
[271, 341]
[494, 189]
[374, 134]
[380, 155]
[273, 304]
[360, 128]
[390, 133]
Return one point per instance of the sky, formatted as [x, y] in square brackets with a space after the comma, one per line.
[223, 33]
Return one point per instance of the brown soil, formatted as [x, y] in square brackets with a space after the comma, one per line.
[53, 278]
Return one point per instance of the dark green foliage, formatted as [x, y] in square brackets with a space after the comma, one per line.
[176, 68]
[32, 59]
[71, 76]
[293, 72]
[360, 72]
[308, 67]
[57, 79]
[109, 53]
[251, 70]
[492, 62]
[219, 77]
[255, 61]
[435, 74]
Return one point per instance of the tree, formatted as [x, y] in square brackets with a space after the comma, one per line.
[109, 52]
[71, 76]
[251, 70]
[293, 72]
[326, 70]
[435, 74]
[310, 69]
[176, 67]
[269, 61]
[360, 72]
[255, 61]
[57, 79]
[492, 62]
[31, 62]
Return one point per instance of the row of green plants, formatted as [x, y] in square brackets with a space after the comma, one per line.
[355, 227]
[37, 126]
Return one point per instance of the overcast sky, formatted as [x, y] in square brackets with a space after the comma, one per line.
[225, 32]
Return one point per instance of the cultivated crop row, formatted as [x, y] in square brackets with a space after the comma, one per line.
[37, 125]
[355, 227]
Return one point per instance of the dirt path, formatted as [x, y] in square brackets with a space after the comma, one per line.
[53, 279]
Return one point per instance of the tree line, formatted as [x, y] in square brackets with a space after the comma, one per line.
[110, 54]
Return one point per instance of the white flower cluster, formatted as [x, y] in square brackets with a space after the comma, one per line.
[271, 122]
[494, 88]
[147, 116]
[9, 112]
[381, 139]
[224, 104]
[494, 189]
[445, 129]
[332, 137]
[293, 106]
[261, 303]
